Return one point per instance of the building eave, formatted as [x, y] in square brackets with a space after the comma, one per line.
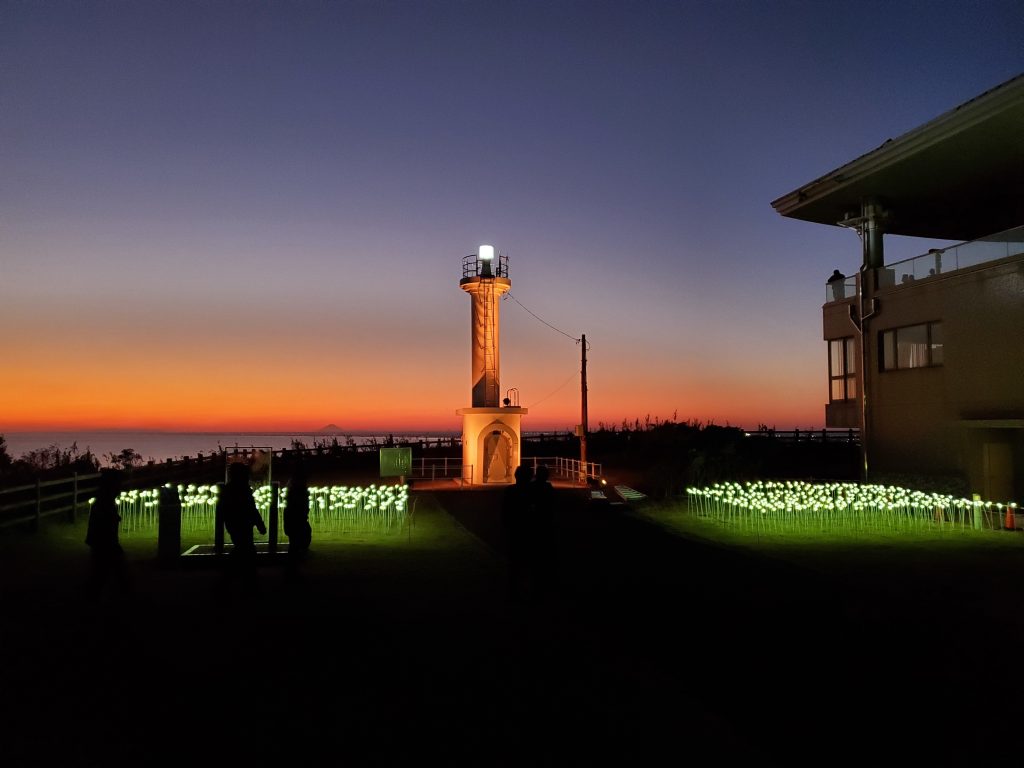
[974, 152]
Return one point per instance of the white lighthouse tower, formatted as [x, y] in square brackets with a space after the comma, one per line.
[490, 431]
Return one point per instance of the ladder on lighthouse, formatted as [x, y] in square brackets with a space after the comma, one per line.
[490, 345]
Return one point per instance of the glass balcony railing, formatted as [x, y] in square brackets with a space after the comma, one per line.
[841, 289]
[939, 261]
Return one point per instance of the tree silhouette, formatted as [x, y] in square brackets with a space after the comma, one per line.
[5, 458]
[126, 459]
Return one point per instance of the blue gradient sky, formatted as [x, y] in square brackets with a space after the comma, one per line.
[242, 215]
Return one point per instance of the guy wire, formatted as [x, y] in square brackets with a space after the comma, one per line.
[549, 325]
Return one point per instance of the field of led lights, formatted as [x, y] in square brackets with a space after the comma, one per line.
[336, 512]
[841, 508]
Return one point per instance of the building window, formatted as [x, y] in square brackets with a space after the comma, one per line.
[842, 370]
[914, 346]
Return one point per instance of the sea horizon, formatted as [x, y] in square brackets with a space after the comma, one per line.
[160, 445]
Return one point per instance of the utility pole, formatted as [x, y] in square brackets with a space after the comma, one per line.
[583, 422]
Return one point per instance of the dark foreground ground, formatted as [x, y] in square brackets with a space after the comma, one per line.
[648, 649]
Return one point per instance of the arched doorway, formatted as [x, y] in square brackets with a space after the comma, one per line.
[500, 458]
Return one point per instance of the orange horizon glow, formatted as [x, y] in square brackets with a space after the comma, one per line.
[192, 387]
[214, 393]
[167, 371]
[65, 421]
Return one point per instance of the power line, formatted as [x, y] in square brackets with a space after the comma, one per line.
[559, 389]
[557, 330]
[549, 325]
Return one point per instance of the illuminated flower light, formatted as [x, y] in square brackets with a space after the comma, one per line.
[832, 505]
[331, 508]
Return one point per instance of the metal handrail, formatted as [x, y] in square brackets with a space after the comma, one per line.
[836, 435]
[472, 266]
[967, 254]
[441, 469]
[565, 467]
[838, 290]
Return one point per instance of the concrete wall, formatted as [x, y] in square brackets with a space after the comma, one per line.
[936, 420]
[837, 324]
[477, 425]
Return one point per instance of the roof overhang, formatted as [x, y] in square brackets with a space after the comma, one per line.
[957, 177]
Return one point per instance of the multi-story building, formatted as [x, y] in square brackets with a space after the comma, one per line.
[926, 355]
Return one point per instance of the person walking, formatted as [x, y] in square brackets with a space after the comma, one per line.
[296, 514]
[516, 514]
[108, 565]
[542, 536]
[237, 509]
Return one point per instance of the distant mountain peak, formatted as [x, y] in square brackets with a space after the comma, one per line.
[330, 428]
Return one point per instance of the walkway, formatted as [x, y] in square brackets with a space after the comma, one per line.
[650, 649]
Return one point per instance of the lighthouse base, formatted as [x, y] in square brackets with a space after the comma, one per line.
[491, 444]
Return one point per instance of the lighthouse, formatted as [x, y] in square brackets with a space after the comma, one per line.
[491, 427]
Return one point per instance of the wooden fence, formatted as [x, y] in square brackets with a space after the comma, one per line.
[29, 504]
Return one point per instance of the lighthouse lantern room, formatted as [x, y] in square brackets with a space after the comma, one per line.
[490, 430]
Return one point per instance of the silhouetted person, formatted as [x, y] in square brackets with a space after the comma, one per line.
[837, 281]
[540, 542]
[108, 564]
[516, 513]
[296, 513]
[237, 509]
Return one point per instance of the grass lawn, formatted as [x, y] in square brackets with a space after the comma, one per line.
[399, 646]
[920, 562]
[50, 567]
[139, 527]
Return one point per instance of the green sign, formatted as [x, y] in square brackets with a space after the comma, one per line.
[395, 462]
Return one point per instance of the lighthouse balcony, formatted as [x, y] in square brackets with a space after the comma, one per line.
[473, 266]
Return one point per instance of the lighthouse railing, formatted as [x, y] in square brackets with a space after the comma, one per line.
[472, 266]
[564, 468]
[442, 468]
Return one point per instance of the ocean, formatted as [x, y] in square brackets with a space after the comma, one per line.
[160, 446]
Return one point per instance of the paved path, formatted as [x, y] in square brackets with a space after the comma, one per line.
[649, 649]
[787, 664]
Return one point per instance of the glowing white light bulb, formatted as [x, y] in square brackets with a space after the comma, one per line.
[486, 252]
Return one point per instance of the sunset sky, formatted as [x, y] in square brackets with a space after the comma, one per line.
[234, 215]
